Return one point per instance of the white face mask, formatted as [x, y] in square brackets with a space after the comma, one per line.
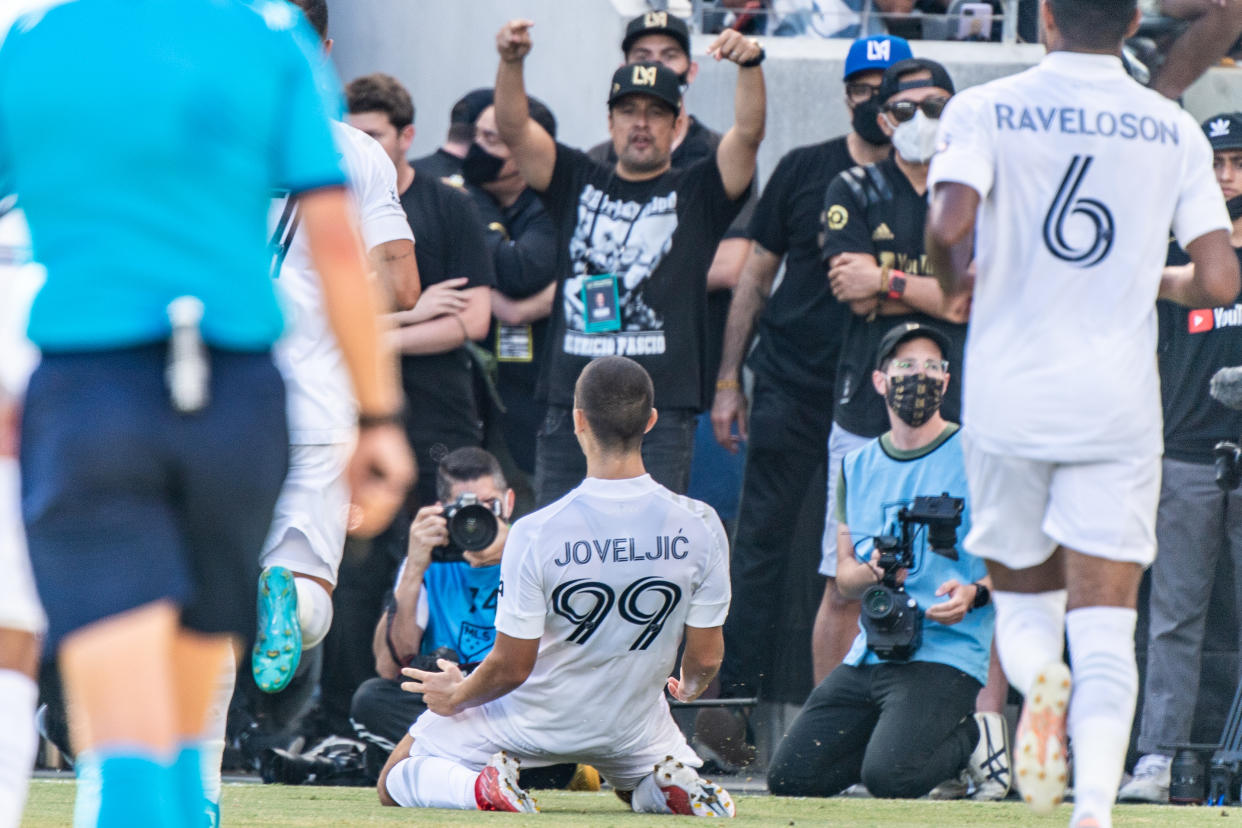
[915, 140]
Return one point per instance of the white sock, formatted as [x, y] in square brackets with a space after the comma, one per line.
[314, 612]
[212, 743]
[1030, 633]
[1101, 711]
[432, 782]
[648, 798]
[18, 742]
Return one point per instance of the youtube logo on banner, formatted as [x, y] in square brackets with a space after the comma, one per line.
[1202, 320]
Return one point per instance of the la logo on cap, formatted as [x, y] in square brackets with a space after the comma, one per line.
[879, 49]
[644, 76]
[655, 20]
[1218, 128]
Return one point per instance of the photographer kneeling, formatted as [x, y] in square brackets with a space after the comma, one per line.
[897, 713]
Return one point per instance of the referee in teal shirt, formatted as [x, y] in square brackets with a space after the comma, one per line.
[144, 140]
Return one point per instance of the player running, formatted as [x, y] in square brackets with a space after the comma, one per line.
[1067, 178]
[598, 589]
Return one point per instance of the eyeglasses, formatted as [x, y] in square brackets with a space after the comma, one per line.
[931, 367]
[903, 111]
[859, 92]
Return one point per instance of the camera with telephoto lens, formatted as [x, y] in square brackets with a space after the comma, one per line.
[471, 526]
[1228, 457]
[891, 618]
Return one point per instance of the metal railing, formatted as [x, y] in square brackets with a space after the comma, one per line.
[961, 21]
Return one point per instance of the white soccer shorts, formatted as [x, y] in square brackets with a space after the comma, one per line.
[19, 602]
[1022, 509]
[314, 502]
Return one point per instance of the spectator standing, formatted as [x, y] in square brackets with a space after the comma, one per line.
[437, 371]
[799, 328]
[902, 723]
[662, 37]
[640, 232]
[145, 518]
[873, 223]
[1197, 525]
[1062, 395]
[521, 238]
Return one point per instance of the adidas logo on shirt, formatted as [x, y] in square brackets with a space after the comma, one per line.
[882, 233]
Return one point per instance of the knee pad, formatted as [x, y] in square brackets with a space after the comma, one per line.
[314, 612]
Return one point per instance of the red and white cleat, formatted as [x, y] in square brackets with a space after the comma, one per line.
[1040, 757]
[496, 788]
[688, 794]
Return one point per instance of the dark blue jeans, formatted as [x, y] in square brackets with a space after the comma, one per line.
[899, 728]
[560, 465]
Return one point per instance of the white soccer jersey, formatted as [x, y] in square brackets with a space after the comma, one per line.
[1082, 173]
[320, 399]
[607, 577]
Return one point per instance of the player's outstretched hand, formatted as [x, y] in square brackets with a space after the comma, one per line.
[513, 41]
[437, 688]
[735, 46]
[379, 476]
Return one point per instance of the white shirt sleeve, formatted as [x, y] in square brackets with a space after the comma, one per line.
[521, 608]
[710, 602]
[1200, 205]
[964, 147]
[380, 211]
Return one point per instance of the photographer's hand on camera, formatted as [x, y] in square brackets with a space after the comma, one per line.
[954, 609]
[428, 530]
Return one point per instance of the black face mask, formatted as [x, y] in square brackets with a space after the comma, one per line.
[1235, 208]
[864, 122]
[914, 399]
[480, 166]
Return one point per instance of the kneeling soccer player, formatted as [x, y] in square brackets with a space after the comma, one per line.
[597, 590]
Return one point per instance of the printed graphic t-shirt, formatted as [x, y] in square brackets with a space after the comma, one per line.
[657, 237]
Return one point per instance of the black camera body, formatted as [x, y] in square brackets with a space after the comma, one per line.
[891, 618]
[1228, 458]
[471, 526]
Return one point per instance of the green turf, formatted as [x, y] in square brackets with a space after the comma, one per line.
[51, 804]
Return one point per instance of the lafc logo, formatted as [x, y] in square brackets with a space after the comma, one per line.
[655, 20]
[877, 49]
[836, 217]
[644, 75]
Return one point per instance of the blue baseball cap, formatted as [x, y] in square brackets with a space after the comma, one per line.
[875, 52]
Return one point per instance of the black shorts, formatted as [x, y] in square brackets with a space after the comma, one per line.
[127, 502]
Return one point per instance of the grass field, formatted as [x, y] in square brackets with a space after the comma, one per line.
[51, 804]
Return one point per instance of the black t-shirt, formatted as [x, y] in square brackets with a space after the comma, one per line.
[439, 164]
[521, 239]
[701, 143]
[657, 237]
[799, 331]
[1194, 345]
[892, 231]
[449, 242]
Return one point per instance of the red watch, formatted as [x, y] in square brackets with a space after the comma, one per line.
[896, 284]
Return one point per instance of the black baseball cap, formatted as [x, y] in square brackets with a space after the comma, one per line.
[1224, 131]
[654, 79]
[909, 330]
[470, 106]
[892, 83]
[657, 22]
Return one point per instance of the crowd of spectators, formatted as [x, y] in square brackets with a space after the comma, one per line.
[535, 257]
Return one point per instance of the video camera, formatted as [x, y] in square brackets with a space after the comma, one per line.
[471, 526]
[891, 618]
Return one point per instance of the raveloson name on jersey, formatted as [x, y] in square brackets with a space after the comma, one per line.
[1072, 120]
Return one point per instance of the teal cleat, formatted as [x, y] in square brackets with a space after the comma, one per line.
[278, 646]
